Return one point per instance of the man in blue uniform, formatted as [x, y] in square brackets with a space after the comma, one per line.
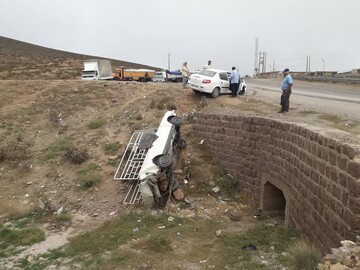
[286, 91]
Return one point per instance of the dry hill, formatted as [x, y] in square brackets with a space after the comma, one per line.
[21, 60]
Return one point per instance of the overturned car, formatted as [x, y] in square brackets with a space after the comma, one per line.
[148, 161]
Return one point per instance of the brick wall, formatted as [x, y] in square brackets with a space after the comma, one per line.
[319, 175]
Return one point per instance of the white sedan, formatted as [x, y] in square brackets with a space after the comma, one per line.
[214, 82]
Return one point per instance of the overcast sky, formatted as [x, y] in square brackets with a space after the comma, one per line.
[195, 31]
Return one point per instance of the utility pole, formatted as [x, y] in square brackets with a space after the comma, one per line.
[168, 61]
[256, 70]
[323, 65]
[273, 65]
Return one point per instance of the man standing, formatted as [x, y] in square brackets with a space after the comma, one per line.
[286, 91]
[185, 74]
[208, 65]
[234, 82]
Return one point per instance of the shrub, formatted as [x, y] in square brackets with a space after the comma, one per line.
[304, 255]
[159, 244]
[111, 148]
[97, 123]
[77, 155]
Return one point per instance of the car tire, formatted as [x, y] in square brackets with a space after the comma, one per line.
[176, 121]
[164, 161]
[181, 143]
[242, 91]
[216, 92]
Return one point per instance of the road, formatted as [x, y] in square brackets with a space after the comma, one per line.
[339, 99]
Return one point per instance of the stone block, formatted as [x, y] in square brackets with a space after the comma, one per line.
[350, 151]
[354, 169]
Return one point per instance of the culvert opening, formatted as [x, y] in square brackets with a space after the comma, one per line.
[274, 202]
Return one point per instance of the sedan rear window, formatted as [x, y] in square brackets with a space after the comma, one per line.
[207, 73]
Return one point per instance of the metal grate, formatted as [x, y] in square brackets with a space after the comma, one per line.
[133, 195]
[132, 159]
[129, 168]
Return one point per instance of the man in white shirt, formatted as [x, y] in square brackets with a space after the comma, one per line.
[208, 65]
[234, 82]
[185, 73]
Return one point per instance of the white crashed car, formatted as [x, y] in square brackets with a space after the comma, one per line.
[214, 82]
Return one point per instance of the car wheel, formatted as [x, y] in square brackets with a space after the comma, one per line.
[242, 91]
[176, 121]
[181, 144]
[164, 161]
[216, 92]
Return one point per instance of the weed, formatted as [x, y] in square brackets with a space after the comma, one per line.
[97, 123]
[88, 177]
[76, 154]
[159, 243]
[227, 183]
[15, 149]
[261, 236]
[304, 255]
[63, 217]
[55, 148]
[304, 113]
[22, 237]
[111, 148]
[331, 118]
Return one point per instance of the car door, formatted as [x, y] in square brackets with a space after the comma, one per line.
[224, 81]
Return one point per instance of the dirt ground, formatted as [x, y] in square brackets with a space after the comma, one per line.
[42, 121]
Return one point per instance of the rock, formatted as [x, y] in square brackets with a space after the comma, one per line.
[338, 266]
[178, 194]
[60, 210]
[29, 183]
[218, 233]
[41, 204]
[27, 195]
[233, 215]
[348, 244]
[30, 259]
[331, 258]
[349, 262]
[113, 157]
[178, 171]
[358, 239]
[216, 189]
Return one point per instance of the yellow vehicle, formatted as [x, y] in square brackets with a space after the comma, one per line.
[140, 75]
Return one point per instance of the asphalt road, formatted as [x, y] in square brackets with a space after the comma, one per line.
[339, 99]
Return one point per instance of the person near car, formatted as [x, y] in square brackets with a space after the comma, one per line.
[208, 65]
[234, 82]
[286, 91]
[185, 74]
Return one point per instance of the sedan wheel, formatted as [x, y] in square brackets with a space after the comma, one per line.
[164, 161]
[242, 91]
[216, 92]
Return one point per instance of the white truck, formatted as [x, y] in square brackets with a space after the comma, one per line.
[167, 76]
[96, 69]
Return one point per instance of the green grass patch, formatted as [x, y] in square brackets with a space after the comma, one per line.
[63, 217]
[23, 237]
[304, 255]
[331, 118]
[227, 183]
[159, 243]
[97, 123]
[305, 113]
[88, 176]
[59, 146]
[262, 237]
[111, 148]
